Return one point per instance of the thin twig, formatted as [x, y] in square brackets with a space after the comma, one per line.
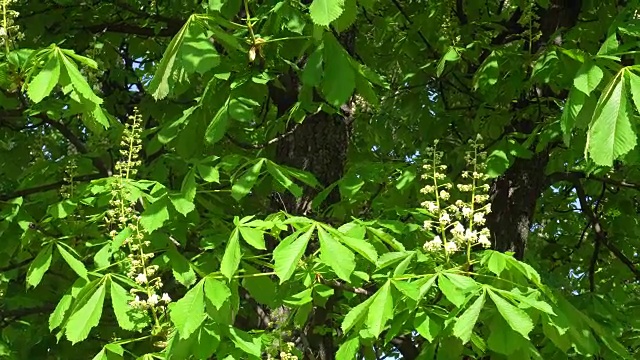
[264, 145]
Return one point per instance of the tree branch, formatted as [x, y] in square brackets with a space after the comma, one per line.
[600, 234]
[79, 145]
[124, 28]
[262, 146]
[571, 175]
[47, 187]
[15, 266]
[336, 285]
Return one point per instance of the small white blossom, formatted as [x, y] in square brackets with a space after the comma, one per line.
[141, 278]
[478, 218]
[444, 195]
[484, 240]
[470, 235]
[431, 206]
[433, 245]
[451, 247]
[153, 299]
[444, 218]
[166, 298]
[466, 212]
[458, 229]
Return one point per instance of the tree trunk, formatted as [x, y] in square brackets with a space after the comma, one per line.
[514, 194]
[317, 145]
[513, 203]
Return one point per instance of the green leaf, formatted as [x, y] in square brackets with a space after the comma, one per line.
[243, 185]
[357, 314]
[426, 326]
[245, 342]
[502, 339]
[348, 16]
[312, 73]
[408, 289]
[573, 105]
[516, 318]
[362, 247]
[404, 264]
[451, 55]
[588, 77]
[390, 258]
[198, 55]
[189, 187]
[611, 134]
[120, 302]
[216, 292]
[159, 85]
[209, 173]
[181, 267]
[381, 310]
[348, 349]
[42, 84]
[337, 256]
[497, 163]
[218, 126]
[79, 83]
[154, 216]
[188, 313]
[262, 288]
[323, 12]
[464, 325]
[216, 5]
[182, 205]
[451, 291]
[253, 237]
[634, 85]
[339, 81]
[276, 172]
[496, 262]
[288, 253]
[87, 317]
[102, 355]
[57, 316]
[74, 263]
[232, 255]
[39, 266]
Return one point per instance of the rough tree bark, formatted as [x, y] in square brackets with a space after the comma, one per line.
[514, 195]
[317, 145]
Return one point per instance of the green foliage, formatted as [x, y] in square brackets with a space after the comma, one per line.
[248, 180]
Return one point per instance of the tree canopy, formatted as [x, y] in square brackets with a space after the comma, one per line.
[325, 179]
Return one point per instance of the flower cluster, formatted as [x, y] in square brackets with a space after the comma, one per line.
[124, 220]
[9, 30]
[286, 352]
[70, 172]
[152, 301]
[458, 224]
